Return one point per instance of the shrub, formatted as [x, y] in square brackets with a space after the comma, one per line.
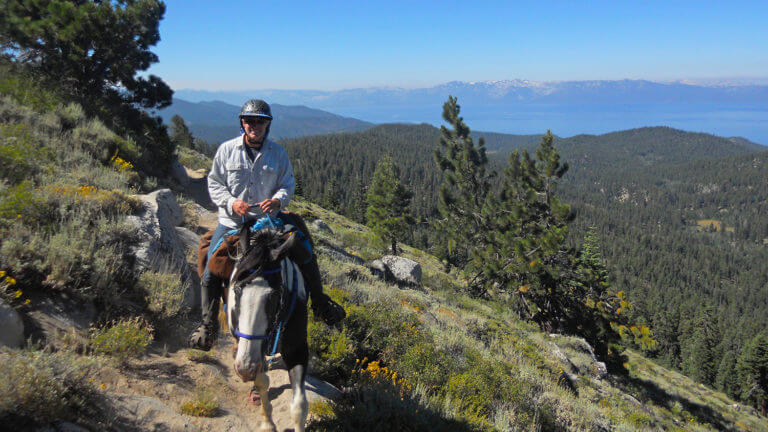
[164, 292]
[200, 356]
[427, 365]
[379, 400]
[192, 159]
[122, 340]
[18, 152]
[203, 404]
[45, 386]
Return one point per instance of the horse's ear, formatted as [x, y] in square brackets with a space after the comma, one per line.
[283, 248]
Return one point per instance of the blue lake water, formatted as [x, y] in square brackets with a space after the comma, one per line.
[750, 122]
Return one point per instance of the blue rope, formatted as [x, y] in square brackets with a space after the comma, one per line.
[294, 290]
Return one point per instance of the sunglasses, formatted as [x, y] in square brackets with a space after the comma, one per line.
[255, 121]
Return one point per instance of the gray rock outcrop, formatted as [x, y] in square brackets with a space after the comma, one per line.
[12, 334]
[402, 271]
[179, 173]
[320, 225]
[162, 244]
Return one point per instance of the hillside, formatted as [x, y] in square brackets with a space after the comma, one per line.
[216, 121]
[107, 341]
[650, 192]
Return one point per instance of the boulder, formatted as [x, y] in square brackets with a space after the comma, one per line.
[179, 173]
[160, 247]
[12, 334]
[402, 271]
[320, 225]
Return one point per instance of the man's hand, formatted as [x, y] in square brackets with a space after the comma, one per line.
[269, 205]
[240, 207]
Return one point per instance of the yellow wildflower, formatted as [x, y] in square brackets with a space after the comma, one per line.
[27, 302]
[2, 273]
[524, 288]
[17, 294]
[10, 281]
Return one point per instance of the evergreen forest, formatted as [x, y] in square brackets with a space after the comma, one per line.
[679, 218]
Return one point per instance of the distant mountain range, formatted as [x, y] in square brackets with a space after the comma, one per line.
[532, 107]
[509, 91]
[217, 121]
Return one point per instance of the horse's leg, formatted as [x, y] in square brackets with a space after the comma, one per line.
[296, 356]
[261, 384]
[299, 406]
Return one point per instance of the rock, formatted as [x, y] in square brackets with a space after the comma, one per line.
[402, 271]
[70, 427]
[337, 252]
[564, 360]
[179, 173]
[13, 328]
[320, 225]
[161, 247]
[318, 389]
[188, 238]
[600, 370]
[148, 413]
[56, 313]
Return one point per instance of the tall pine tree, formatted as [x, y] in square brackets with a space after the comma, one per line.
[388, 201]
[464, 189]
[752, 368]
[523, 238]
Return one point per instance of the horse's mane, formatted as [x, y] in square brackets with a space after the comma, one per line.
[256, 253]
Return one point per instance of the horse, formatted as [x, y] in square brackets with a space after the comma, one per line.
[266, 310]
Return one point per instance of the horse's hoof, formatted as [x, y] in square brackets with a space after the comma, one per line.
[254, 398]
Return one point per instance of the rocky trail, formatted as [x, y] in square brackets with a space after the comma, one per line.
[147, 394]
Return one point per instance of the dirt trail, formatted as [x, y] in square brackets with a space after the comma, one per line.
[148, 393]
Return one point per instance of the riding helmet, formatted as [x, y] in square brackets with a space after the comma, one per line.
[256, 108]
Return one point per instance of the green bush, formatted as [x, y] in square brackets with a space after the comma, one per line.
[377, 400]
[427, 365]
[26, 89]
[164, 292]
[123, 340]
[203, 404]
[192, 159]
[18, 152]
[45, 386]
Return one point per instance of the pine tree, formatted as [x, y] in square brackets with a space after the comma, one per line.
[180, 134]
[522, 244]
[463, 191]
[359, 205]
[91, 49]
[727, 380]
[752, 368]
[698, 352]
[388, 201]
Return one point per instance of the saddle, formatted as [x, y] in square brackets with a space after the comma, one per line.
[296, 245]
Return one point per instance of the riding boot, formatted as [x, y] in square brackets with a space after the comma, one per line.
[322, 305]
[210, 291]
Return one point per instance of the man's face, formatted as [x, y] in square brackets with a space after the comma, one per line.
[255, 127]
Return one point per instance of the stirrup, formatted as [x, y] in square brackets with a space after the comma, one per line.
[328, 311]
[204, 337]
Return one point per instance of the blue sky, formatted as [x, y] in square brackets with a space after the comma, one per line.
[232, 45]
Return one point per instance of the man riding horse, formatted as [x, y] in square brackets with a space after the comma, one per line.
[252, 177]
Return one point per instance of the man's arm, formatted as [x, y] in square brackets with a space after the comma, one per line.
[217, 182]
[285, 182]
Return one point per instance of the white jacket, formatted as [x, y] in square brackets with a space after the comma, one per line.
[234, 177]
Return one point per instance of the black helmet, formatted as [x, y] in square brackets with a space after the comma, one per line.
[256, 108]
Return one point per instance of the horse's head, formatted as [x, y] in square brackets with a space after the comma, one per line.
[253, 305]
